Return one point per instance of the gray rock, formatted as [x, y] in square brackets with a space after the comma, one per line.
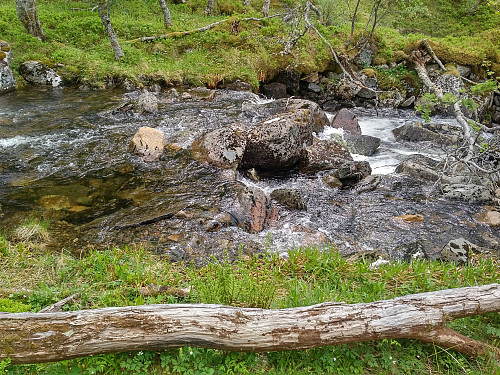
[458, 251]
[420, 167]
[332, 181]
[362, 144]
[277, 142]
[364, 57]
[391, 99]
[147, 103]
[419, 132]
[318, 116]
[314, 87]
[223, 147]
[450, 83]
[290, 198]
[346, 120]
[468, 192]
[351, 172]
[408, 102]
[39, 74]
[254, 211]
[464, 70]
[7, 80]
[323, 155]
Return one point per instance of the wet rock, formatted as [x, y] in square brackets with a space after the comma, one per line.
[223, 147]
[346, 120]
[467, 192]
[351, 172]
[170, 96]
[55, 202]
[291, 79]
[411, 218]
[186, 96]
[313, 87]
[7, 80]
[489, 216]
[290, 198]
[255, 212]
[220, 221]
[277, 142]
[332, 182]
[147, 103]
[39, 74]
[458, 251]
[391, 99]
[252, 174]
[148, 143]
[419, 166]
[274, 90]
[323, 155]
[310, 237]
[362, 144]
[419, 132]
[203, 93]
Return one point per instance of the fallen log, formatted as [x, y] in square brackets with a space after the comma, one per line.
[34, 338]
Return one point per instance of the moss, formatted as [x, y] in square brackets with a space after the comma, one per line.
[6, 48]
[370, 73]
[452, 69]
[379, 60]
[399, 56]
[3, 55]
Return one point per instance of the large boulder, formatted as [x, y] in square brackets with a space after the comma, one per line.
[222, 147]
[346, 120]
[276, 143]
[39, 74]
[323, 155]
[7, 80]
[148, 143]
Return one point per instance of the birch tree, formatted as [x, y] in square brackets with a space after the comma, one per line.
[167, 19]
[104, 15]
[27, 14]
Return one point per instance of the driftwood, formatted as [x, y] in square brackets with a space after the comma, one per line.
[33, 338]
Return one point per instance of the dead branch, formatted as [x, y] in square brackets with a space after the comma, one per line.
[33, 338]
[58, 305]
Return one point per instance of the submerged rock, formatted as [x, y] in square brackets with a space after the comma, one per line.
[148, 143]
[290, 198]
[39, 74]
[419, 132]
[7, 80]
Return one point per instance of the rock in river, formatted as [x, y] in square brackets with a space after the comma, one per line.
[148, 143]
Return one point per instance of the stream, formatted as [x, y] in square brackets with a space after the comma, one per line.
[64, 158]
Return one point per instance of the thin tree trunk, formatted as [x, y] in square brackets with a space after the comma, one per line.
[247, 3]
[167, 19]
[265, 8]
[104, 14]
[32, 338]
[27, 14]
[209, 7]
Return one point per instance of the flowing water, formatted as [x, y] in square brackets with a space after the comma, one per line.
[64, 157]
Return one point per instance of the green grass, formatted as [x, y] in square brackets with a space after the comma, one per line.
[33, 279]
[77, 45]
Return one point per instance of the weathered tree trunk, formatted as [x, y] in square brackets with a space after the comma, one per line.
[27, 14]
[104, 14]
[32, 338]
[209, 7]
[265, 8]
[167, 19]
[247, 3]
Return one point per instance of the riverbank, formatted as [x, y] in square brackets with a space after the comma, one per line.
[33, 278]
[250, 51]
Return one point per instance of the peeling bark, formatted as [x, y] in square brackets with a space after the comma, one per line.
[265, 8]
[104, 15]
[33, 338]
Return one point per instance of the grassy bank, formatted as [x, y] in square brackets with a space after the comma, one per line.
[248, 50]
[32, 278]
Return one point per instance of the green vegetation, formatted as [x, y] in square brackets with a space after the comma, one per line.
[465, 33]
[33, 279]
